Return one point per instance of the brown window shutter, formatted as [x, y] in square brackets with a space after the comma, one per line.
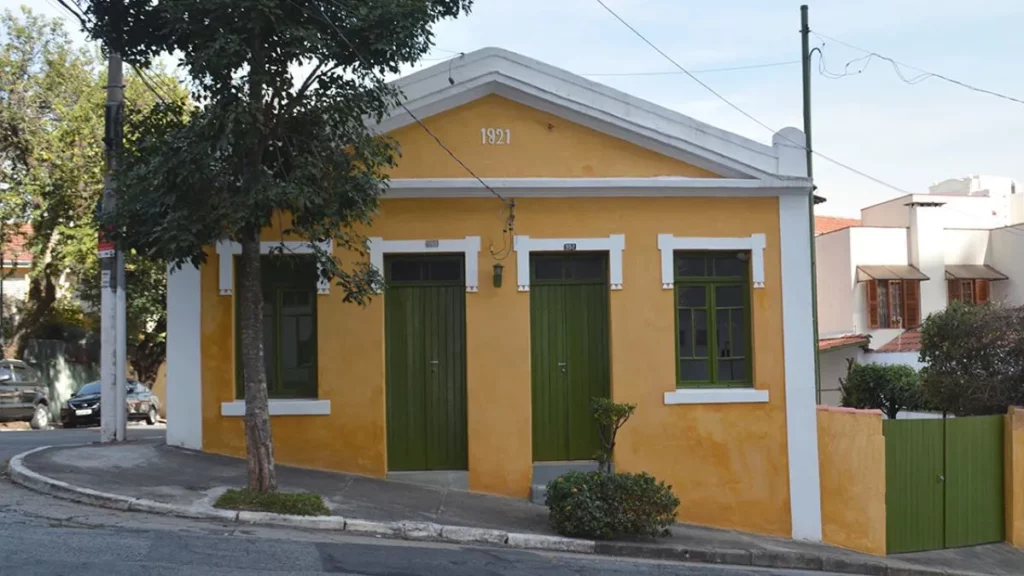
[953, 289]
[911, 303]
[872, 289]
[981, 291]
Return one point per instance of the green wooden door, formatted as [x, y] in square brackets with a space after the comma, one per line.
[425, 327]
[974, 481]
[569, 352]
[914, 496]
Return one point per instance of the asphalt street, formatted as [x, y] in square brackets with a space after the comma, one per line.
[43, 535]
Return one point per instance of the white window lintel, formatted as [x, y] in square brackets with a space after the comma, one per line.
[614, 244]
[227, 250]
[668, 244]
[297, 407]
[716, 396]
[468, 246]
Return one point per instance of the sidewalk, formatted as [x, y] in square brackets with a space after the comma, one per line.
[185, 480]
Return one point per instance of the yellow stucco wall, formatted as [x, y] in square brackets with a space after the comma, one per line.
[1014, 471]
[727, 463]
[851, 460]
[542, 145]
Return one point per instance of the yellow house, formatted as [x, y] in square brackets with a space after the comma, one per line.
[642, 255]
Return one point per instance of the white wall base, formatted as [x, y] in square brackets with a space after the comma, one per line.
[184, 395]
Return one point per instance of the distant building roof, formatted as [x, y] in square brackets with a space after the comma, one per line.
[909, 341]
[16, 250]
[825, 224]
[844, 341]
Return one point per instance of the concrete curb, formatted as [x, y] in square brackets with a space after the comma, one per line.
[409, 530]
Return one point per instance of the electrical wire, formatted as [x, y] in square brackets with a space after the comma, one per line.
[702, 71]
[745, 113]
[923, 74]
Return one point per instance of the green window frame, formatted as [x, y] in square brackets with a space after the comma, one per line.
[713, 320]
[290, 340]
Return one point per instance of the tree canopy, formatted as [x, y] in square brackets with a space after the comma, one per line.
[287, 96]
[51, 170]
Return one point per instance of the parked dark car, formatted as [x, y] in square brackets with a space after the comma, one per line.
[83, 408]
[23, 394]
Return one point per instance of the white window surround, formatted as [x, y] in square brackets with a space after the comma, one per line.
[613, 244]
[716, 396]
[468, 246]
[226, 251]
[297, 407]
[668, 244]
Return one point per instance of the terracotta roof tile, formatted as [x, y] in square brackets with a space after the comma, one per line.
[15, 248]
[825, 224]
[909, 341]
[843, 341]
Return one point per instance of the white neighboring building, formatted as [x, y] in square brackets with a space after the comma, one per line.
[880, 277]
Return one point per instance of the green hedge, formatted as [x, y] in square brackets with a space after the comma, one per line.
[600, 505]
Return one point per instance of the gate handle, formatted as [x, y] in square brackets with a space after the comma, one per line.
[563, 366]
[942, 478]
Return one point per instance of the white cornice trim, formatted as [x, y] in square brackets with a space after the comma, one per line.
[613, 244]
[567, 95]
[468, 246]
[668, 244]
[596, 187]
[227, 250]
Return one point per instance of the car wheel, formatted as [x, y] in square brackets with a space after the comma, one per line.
[41, 417]
[151, 417]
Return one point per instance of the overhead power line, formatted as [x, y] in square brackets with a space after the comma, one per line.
[922, 73]
[744, 112]
[702, 71]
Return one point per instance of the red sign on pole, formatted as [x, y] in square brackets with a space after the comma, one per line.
[105, 246]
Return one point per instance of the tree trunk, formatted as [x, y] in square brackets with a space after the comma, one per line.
[258, 443]
[42, 294]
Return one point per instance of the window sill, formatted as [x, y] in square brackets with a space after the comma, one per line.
[716, 396]
[281, 408]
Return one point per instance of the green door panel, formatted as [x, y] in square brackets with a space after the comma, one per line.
[974, 481]
[425, 327]
[914, 490]
[569, 353]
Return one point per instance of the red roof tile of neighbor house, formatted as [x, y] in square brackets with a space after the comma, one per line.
[825, 224]
[843, 341]
[909, 341]
[15, 249]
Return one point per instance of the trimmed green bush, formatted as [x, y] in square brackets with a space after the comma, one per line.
[602, 506]
[889, 388]
[299, 504]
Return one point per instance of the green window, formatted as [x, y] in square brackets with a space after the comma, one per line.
[289, 327]
[713, 319]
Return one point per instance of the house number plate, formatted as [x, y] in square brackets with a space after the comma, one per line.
[569, 247]
[433, 243]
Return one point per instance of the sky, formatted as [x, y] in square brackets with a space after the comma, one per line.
[908, 136]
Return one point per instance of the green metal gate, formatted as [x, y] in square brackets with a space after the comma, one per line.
[944, 483]
[569, 352]
[425, 328]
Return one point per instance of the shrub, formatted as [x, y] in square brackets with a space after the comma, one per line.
[975, 357]
[889, 388]
[599, 505]
[301, 504]
[610, 416]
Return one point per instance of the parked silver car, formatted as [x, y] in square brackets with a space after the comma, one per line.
[23, 394]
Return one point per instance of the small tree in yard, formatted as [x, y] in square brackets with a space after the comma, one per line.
[264, 141]
[975, 357]
[605, 505]
[889, 388]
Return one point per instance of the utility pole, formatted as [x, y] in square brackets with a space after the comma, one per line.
[113, 417]
[805, 57]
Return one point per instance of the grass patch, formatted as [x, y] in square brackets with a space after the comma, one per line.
[299, 504]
